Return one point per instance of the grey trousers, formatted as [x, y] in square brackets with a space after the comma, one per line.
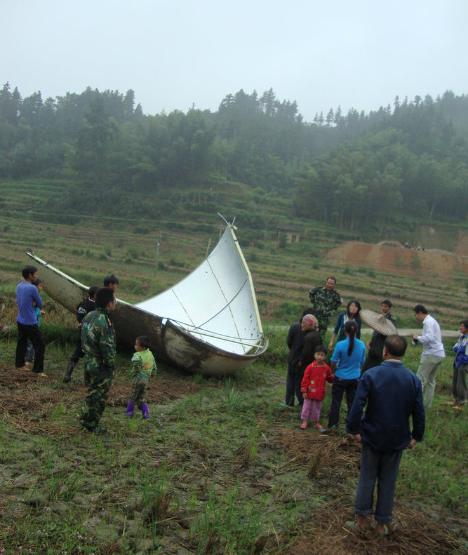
[459, 384]
[427, 373]
[381, 468]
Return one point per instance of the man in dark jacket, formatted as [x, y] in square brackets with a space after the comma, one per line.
[295, 342]
[392, 394]
[86, 306]
[303, 337]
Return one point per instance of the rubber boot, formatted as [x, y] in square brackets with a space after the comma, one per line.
[69, 372]
[130, 407]
[145, 411]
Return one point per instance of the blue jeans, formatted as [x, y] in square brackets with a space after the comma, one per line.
[380, 467]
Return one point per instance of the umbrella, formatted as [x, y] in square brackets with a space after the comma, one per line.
[378, 322]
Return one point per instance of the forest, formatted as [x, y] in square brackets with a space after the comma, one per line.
[347, 169]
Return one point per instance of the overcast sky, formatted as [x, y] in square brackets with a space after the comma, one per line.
[175, 53]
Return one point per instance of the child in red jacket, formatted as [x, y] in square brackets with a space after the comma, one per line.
[313, 388]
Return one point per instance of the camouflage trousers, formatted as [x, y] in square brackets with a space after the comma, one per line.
[138, 393]
[100, 381]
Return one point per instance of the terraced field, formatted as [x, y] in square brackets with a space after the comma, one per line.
[89, 246]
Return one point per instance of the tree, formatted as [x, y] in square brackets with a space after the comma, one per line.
[93, 145]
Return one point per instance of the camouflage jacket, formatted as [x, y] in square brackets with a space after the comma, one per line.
[324, 301]
[98, 338]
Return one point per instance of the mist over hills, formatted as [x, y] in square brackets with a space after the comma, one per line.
[409, 160]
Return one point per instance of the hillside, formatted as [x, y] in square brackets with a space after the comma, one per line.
[362, 172]
[89, 246]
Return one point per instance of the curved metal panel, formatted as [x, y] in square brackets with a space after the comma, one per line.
[216, 302]
[208, 322]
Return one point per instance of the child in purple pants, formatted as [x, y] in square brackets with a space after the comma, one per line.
[143, 365]
[313, 388]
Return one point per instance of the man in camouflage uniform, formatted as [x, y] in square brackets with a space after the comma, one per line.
[324, 300]
[98, 342]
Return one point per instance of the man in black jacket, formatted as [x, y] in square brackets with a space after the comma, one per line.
[82, 309]
[302, 339]
[392, 394]
[295, 342]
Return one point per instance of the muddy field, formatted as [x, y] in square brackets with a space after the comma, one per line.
[219, 468]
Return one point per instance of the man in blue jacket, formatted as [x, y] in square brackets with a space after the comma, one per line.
[27, 299]
[392, 394]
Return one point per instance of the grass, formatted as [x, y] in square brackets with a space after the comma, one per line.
[217, 469]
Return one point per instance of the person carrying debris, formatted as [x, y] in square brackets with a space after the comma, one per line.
[99, 346]
[391, 394]
[376, 343]
[325, 300]
[85, 307]
[143, 365]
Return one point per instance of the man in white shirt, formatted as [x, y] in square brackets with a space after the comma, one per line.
[432, 354]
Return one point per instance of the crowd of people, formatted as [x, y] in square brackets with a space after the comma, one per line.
[96, 342]
[381, 393]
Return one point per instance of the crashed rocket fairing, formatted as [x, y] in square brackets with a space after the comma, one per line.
[208, 322]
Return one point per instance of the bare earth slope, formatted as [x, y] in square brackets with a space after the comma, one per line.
[395, 258]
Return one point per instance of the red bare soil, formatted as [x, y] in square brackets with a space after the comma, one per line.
[394, 258]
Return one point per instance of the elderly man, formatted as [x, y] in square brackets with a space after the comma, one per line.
[433, 352]
[302, 340]
[325, 300]
[392, 394]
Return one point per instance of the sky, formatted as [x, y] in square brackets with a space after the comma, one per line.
[179, 53]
